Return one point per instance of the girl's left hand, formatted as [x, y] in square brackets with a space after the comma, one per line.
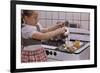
[60, 24]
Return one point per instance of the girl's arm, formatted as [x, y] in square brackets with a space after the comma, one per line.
[48, 35]
[52, 28]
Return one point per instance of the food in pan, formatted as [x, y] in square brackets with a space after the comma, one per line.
[71, 47]
[76, 44]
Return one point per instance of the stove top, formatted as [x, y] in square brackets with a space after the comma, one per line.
[57, 46]
[53, 42]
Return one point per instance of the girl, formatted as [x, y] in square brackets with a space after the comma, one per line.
[33, 33]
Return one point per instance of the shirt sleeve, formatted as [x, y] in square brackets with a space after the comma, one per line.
[27, 32]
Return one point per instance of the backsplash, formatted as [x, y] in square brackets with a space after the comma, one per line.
[81, 19]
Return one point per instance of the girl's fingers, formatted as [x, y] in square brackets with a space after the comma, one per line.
[61, 24]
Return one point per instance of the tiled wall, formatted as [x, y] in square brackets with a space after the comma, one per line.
[47, 18]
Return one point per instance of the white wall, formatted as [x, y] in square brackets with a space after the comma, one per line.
[5, 41]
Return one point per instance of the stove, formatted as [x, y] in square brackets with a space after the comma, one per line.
[83, 53]
[55, 54]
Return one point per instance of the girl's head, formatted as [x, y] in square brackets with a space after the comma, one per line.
[29, 17]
